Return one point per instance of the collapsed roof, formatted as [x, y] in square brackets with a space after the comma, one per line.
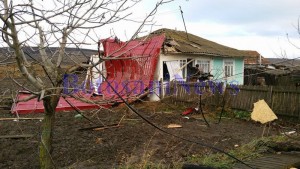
[129, 74]
[179, 42]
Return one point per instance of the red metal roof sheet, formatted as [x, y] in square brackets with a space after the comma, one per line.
[130, 76]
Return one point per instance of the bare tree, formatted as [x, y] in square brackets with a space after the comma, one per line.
[56, 23]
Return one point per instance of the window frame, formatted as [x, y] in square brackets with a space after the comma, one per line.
[204, 60]
[228, 73]
[184, 70]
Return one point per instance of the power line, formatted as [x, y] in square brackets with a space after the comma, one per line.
[168, 133]
[162, 130]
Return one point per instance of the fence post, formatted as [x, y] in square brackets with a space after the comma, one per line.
[271, 97]
[161, 88]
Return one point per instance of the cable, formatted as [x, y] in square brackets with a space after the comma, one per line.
[168, 133]
[77, 110]
[200, 109]
[223, 108]
[162, 130]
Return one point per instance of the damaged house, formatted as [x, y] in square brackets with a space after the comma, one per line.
[181, 49]
[271, 71]
[130, 67]
[180, 52]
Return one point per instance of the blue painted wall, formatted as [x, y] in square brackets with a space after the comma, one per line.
[217, 70]
[239, 70]
[218, 73]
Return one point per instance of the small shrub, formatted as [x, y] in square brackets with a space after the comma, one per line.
[242, 115]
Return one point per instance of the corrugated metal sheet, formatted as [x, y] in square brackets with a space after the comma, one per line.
[130, 69]
[135, 73]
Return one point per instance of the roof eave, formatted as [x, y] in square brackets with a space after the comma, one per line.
[204, 53]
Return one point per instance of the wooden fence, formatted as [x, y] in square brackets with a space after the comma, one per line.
[282, 100]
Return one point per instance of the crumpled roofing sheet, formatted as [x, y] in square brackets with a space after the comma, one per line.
[130, 69]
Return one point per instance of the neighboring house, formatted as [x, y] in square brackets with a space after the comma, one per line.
[284, 63]
[254, 58]
[277, 72]
[179, 49]
[292, 65]
[72, 55]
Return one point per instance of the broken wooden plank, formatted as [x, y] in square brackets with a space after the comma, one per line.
[106, 127]
[22, 118]
[16, 136]
[100, 126]
[170, 126]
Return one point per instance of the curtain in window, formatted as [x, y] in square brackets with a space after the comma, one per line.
[204, 64]
[174, 72]
[228, 68]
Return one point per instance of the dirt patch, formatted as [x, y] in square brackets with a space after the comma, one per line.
[135, 142]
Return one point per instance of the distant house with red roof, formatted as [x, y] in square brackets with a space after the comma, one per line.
[255, 58]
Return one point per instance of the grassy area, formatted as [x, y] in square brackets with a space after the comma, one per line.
[230, 113]
[246, 152]
[249, 151]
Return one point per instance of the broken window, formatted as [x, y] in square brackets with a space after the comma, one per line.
[166, 74]
[172, 70]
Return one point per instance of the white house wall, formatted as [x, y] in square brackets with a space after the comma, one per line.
[158, 76]
[164, 58]
[216, 68]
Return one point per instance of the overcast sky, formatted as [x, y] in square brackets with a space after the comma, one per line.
[260, 25]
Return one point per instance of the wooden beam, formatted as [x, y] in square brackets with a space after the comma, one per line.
[22, 118]
[16, 136]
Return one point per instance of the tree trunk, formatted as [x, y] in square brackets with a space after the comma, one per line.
[45, 147]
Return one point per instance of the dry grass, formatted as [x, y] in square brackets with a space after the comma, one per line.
[13, 71]
[246, 152]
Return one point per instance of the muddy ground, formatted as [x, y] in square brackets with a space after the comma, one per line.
[133, 143]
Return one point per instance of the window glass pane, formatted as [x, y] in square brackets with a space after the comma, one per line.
[228, 68]
[204, 64]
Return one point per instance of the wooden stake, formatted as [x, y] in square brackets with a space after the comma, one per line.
[269, 126]
[264, 130]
